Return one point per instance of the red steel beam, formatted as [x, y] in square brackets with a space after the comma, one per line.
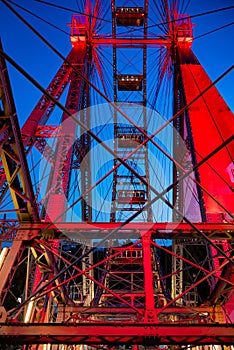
[142, 226]
[87, 231]
[44, 107]
[118, 334]
[86, 310]
[148, 279]
[129, 42]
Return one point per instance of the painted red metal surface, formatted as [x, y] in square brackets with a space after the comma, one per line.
[126, 42]
[122, 333]
[141, 226]
[45, 107]
[59, 182]
[211, 123]
[96, 333]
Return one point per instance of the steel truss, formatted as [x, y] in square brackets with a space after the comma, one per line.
[99, 230]
[120, 334]
[108, 284]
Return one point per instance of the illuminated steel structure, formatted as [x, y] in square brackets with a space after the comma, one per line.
[120, 293]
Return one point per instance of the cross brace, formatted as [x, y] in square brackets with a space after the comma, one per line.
[91, 334]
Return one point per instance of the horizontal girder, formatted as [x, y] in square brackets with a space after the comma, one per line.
[172, 310]
[118, 334]
[131, 42]
[86, 231]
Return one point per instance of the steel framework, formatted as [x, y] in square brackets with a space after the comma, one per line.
[106, 279]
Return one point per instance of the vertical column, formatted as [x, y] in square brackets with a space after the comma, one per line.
[113, 205]
[87, 283]
[177, 268]
[9, 267]
[148, 280]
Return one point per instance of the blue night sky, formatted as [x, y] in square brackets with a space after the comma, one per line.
[214, 51]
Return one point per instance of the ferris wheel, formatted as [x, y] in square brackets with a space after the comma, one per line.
[117, 191]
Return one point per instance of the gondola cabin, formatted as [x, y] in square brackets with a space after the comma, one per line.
[129, 140]
[129, 16]
[130, 255]
[127, 82]
[184, 30]
[79, 31]
[131, 196]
